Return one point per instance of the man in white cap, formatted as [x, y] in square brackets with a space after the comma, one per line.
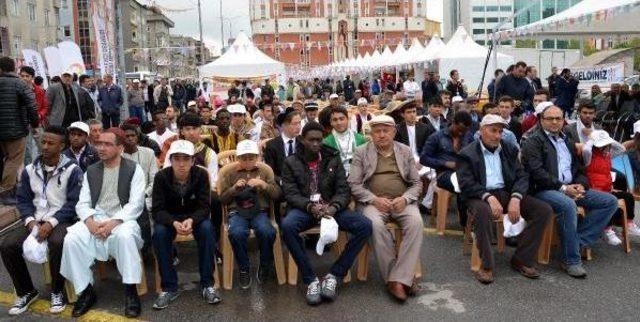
[531, 120]
[181, 206]
[385, 181]
[241, 125]
[493, 183]
[358, 120]
[246, 187]
[79, 148]
[111, 199]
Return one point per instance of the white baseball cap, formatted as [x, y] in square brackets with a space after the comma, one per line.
[82, 126]
[541, 107]
[237, 109]
[492, 119]
[135, 81]
[181, 147]
[333, 96]
[362, 101]
[636, 127]
[601, 138]
[247, 147]
[457, 99]
[192, 103]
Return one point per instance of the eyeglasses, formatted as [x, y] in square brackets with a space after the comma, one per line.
[554, 119]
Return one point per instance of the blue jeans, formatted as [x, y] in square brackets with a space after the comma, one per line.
[298, 221]
[163, 237]
[599, 206]
[137, 111]
[239, 234]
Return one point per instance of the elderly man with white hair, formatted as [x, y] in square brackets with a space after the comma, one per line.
[385, 182]
[358, 120]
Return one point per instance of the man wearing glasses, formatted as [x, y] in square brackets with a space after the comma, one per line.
[557, 178]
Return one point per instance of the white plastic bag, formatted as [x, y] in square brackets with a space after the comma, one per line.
[34, 251]
[328, 233]
[510, 229]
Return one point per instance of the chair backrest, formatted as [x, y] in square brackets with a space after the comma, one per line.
[226, 157]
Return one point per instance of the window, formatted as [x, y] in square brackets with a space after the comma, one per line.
[67, 31]
[46, 17]
[16, 8]
[17, 45]
[494, 19]
[56, 12]
[505, 8]
[478, 9]
[548, 44]
[479, 20]
[31, 8]
[478, 31]
[3, 9]
[480, 42]
[492, 8]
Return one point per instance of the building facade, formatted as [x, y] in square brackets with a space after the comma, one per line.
[185, 56]
[527, 11]
[134, 18]
[28, 24]
[158, 33]
[318, 32]
[478, 17]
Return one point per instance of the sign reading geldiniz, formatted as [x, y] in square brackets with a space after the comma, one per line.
[603, 75]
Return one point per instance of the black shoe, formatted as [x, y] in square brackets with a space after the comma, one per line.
[244, 279]
[132, 305]
[264, 273]
[84, 303]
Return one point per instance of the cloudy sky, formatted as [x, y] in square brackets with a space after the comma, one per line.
[235, 13]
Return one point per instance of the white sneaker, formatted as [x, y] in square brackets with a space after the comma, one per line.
[57, 303]
[633, 229]
[611, 237]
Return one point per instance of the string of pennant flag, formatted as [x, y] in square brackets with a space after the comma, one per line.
[324, 44]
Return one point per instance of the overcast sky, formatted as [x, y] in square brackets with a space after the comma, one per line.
[235, 13]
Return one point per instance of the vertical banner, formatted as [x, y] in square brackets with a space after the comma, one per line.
[33, 59]
[71, 57]
[106, 56]
[54, 61]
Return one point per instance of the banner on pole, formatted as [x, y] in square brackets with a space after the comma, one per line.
[602, 75]
[71, 57]
[34, 59]
[54, 61]
[106, 57]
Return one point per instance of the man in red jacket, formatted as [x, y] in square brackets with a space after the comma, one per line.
[27, 73]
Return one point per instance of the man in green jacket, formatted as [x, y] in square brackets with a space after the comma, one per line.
[342, 138]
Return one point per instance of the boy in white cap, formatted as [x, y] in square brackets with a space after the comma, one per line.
[79, 148]
[181, 206]
[241, 125]
[246, 186]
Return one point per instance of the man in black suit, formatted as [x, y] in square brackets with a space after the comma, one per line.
[434, 119]
[493, 182]
[429, 89]
[410, 131]
[280, 147]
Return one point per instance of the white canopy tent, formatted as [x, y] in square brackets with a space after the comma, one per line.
[465, 55]
[243, 60]
[433, 48]
[414, 53]
[586, 19]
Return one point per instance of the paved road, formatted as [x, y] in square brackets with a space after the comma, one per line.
[450, 292]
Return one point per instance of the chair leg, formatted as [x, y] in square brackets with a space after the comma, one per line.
[443, 207]
[292, 271]
[500, 237]
[227, 261]
[475, 256]
[626, 246]
[278, 259]
[142, 287]
[47, 273]
[340, 245]
[71, 292]
[418, 270]
[363, 263]
[468, 239]
[544, 250]
[216, 276]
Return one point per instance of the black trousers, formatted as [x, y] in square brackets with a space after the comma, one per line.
[11, 251]
[629, 202]
[535, 213]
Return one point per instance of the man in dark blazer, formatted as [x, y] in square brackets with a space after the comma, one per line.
[434, 119]
[280, 147]
[493, 182]
[558, 178]
[411, 132]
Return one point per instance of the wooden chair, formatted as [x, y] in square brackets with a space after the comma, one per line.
[441, 200]
[102, 275]
[363, 257]
[227, 250]
[177, 240]
[226, 157]
[470, 242]
[340, 244]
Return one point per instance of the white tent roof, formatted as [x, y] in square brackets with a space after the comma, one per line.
[433, 48]
[461, 45]
[242, 60]
[414, 54]
[399, 56]
[588, 18]
[385, 57]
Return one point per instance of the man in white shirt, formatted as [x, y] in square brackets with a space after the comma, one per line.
[161, 134]
[411, 88]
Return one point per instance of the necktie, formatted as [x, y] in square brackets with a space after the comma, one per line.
[290, 147]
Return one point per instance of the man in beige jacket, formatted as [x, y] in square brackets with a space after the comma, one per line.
[385, 182]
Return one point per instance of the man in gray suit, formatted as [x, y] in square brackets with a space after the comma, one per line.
[385, 182]
[66, 104]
